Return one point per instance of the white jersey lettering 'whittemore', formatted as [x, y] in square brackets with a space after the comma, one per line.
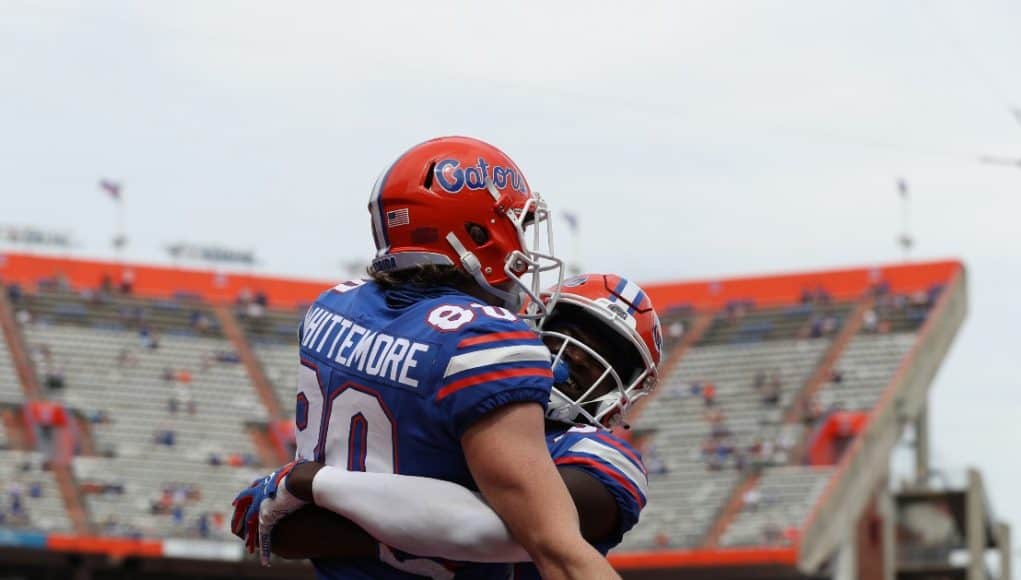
[374, 353]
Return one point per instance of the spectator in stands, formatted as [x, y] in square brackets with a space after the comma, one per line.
[127, 281]
[719, 429]
[708, 394]
[41, 355]
[695, 388]
[248, 306]
[830, 324]
[717, 423]
[751, 499]
[899, 302]
[227, 356]
[23, 317]
[16, 503]
[806, 296]
[182, 394]
[177, 513]
[54, 378]
[836, 376]
[113, 489]
[654, 464]
[760, 452]
[200, 323]
[772, 534]
[815, 326]
[14, 293]
[770, 393]
[676, 330]
[736, 310]
[870, 320]
[812, 410]
[110, 525]
[818, 296]
[724, 450]
[165, 437]
[105, 284]
[822, 296]
[148, 337]
[759, 381]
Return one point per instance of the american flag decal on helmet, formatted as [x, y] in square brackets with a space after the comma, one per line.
[397, 217]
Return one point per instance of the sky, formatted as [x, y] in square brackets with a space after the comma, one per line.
[692, 139]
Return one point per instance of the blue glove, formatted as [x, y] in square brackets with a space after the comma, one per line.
[245, 521]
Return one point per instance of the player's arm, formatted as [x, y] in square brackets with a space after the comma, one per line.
[455, 523]
[598, 510]
[510, 462]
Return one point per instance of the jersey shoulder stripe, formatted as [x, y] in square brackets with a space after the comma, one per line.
[595, 465]
[479, 359]
[497, 375]
[614, 458]
[497, 337]
[624, 448]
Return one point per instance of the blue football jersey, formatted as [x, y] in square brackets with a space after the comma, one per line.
[612, 461]
[389, 381]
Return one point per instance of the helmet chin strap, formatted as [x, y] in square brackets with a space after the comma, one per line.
[511, 300]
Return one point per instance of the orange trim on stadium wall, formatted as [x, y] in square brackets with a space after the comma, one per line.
[164, 282]
[757, 556]
[846, 284]
[117, 547]
[160, 281]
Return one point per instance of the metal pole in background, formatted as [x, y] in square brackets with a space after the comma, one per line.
[905, 240]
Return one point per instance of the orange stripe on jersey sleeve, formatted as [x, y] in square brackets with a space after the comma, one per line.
[616, 475]
[491, 376]
[496, 337]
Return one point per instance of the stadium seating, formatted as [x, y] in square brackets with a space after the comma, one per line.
[187, 385]
[685, 501]
[23, 475]
[10, 392]
[777, 505]
[729, 472]
[866, 366]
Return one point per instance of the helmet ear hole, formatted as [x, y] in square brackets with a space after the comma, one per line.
[477, 233]
[428, 183]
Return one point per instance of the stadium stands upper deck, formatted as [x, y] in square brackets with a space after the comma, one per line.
[740, 463]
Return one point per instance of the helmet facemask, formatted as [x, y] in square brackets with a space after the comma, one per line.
[605, 400]
[535, 259]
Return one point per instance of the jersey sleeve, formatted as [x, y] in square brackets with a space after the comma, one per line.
[617, 465]
[491, 363]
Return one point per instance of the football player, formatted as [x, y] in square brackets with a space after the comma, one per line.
[606, 341]
[426, 370]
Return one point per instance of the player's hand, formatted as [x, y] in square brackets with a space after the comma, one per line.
[259, 507]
